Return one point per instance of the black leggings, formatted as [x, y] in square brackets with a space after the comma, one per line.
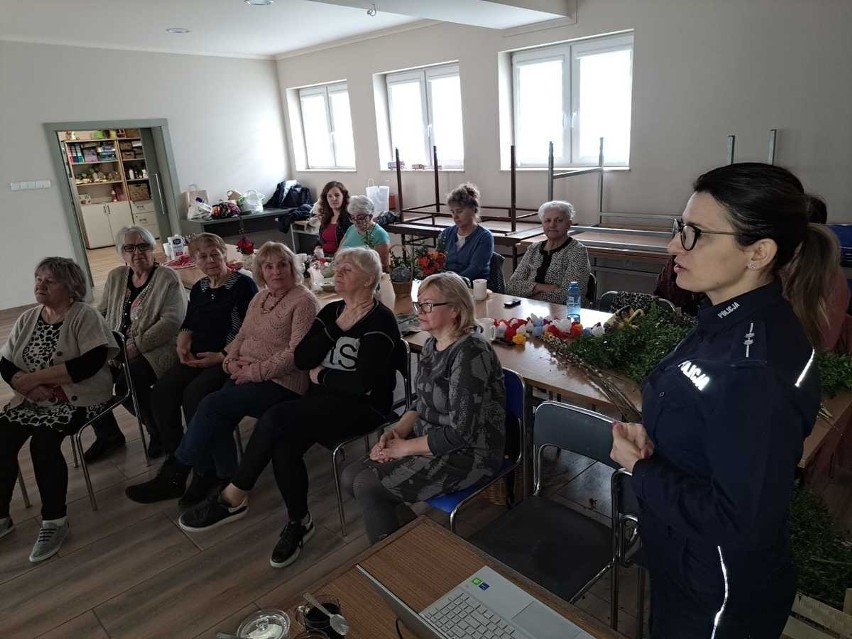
[51, 471]
[143, 379]
[286, 432]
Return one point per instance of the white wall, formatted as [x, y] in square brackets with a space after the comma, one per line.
[224, 117]
[702, 70]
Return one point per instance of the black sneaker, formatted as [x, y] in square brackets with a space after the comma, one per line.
[293, 537]
[169, 483]
[102, 447]
[199, 489]
[210, 513]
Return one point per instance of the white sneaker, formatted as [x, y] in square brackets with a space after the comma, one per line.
[49, 541]
[6, 526]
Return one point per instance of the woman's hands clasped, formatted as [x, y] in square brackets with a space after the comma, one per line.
[630, 443]
[390, 446]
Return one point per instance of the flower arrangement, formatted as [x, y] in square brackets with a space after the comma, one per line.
[245, 246]
[414, 263]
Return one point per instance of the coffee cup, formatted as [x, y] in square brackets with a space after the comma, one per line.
[480, 290]
[315, 619]
[487, 328]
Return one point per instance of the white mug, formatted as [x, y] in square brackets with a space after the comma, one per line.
[487, 328]
[480, 290]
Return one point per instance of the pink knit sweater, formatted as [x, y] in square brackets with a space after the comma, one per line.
[269, 339]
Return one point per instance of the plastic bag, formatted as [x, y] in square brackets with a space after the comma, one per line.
[251, 202]
[379, 196]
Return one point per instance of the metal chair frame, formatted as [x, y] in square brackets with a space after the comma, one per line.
[516, 407]
[76, 441]
[337, 451]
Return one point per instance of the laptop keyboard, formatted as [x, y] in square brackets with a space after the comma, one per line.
[463, 617]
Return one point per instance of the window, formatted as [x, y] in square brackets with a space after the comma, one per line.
[573, 95]
[327, 127]
[424, 110]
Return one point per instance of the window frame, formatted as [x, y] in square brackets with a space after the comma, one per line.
[326, 90]
[423, 76]
[569, 53]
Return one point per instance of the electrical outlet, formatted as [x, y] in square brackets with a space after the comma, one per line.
[15, 186]
[43, 184]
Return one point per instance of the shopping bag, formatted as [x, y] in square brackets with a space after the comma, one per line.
[379, 196]
[189, 195]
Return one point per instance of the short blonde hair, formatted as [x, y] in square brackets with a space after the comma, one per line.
[364, 259]
[455, 292]
[466, 196]
[270, 251]
[207, 239]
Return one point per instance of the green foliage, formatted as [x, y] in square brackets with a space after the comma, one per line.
[823, 559]
[835, 371]
[635, 349]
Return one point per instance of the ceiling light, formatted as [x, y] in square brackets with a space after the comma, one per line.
[259, 3]
[177, 30]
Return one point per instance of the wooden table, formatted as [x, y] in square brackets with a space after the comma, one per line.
[420, 563]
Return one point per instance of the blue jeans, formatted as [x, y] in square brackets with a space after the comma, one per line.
[208, 444]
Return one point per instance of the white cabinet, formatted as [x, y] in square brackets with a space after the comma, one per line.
[144, 214]
[102, 221]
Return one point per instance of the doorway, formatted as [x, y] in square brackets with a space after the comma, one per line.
[116, 173]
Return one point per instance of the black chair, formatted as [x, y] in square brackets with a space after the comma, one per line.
[402, 365]
[496, 281]
[515, 413]
[561, 548]
[612, 301]
[592, 290]
[76, 442]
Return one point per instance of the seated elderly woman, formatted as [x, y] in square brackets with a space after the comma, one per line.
[56, 362]
[217, 306]
[549, 266]
[349, 352]
[146, 303]
[468, 245]
[454, 438]
[364, 231]
[263, 372]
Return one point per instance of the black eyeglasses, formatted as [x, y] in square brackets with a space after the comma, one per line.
[136, 248]
[689, 234]
[427, 307]
[362, 218]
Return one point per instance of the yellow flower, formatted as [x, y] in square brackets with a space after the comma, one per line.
[519, 338]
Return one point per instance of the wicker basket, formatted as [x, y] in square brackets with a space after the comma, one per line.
[402, 268]
[498, 493]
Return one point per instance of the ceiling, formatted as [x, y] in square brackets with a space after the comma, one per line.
[231, 28]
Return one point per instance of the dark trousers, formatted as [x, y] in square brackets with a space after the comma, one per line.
[51, 471]
[678, 611]
[144, 378]
[379, 506]
[208, 444]
[286, 432]
[180, 387]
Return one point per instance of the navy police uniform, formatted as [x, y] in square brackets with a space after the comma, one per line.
[728, 411]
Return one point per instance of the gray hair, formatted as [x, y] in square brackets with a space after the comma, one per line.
[360, 204]
[139, 230]
[364, 259]
[566, 208]
[68, 273]
[454, 290]
[269, 251]
[207, 239]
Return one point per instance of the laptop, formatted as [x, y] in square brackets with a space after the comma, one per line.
[469, 611]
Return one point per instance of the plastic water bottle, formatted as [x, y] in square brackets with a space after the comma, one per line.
[573, 301]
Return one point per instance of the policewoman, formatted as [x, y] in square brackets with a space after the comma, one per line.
[725, 413]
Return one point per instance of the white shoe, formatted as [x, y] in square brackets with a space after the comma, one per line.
[49, 541]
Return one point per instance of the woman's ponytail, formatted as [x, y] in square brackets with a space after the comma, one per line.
[809, 277]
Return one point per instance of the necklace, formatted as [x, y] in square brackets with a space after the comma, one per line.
[265, 310]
